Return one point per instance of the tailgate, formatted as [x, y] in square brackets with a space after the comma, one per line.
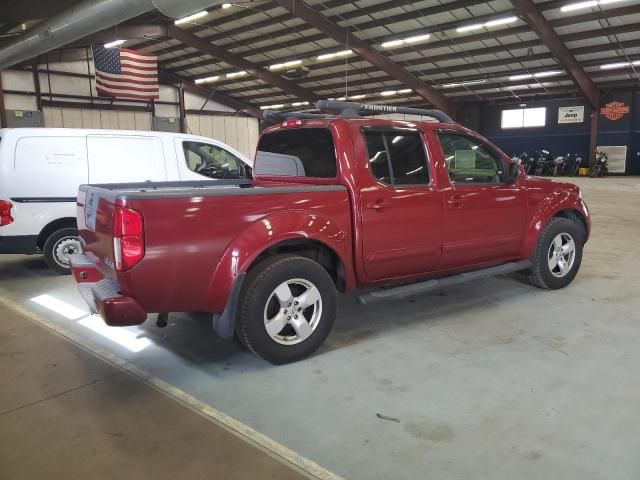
[95, 209]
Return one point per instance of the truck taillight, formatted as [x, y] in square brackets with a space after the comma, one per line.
[128, 238]
[5, 213]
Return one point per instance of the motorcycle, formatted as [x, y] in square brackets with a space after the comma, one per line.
[558, 165]
[572, 164]
[543, 163]
[600, 167]
[525, 160]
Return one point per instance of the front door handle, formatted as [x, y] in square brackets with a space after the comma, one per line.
[456, 201]
[379, 205]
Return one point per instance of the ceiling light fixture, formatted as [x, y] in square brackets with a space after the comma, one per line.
[207, 79]
[578, 6]
[524, 76]
[469, 28]
[280, 66]
[329, 56]
[612, 66]
[501, 21]
[115, 43]
[299, 104]
[236, 74]
[490, 23]
[587, 4]
[357, 97]
[406, 41]
[190, 18]
[272, 107]
[226, 5]
[463, 84]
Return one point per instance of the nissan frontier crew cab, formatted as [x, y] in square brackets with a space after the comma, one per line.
[337, 202]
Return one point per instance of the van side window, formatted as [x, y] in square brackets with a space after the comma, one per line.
[469, 160]
[213, 161]
[397, 157]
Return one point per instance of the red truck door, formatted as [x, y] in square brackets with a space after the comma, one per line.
[401, 211]
[485, 215]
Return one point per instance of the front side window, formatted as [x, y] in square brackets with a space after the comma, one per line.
[397, 157]
[213, 161]
[297, 152]
[469, 160]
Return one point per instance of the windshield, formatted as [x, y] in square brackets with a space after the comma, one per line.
[299, 152]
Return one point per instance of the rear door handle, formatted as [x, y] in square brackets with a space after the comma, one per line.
[379, 205]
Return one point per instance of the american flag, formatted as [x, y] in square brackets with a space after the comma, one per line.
[125, 73]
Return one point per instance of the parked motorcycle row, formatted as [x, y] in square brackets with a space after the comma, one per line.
[542, 164]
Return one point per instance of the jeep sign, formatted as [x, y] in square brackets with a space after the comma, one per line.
[571, 114]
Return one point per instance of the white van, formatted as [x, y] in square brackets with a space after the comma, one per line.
[42, 168]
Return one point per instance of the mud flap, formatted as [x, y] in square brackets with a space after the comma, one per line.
[224, 325]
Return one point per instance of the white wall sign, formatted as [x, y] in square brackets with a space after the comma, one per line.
[571, 114]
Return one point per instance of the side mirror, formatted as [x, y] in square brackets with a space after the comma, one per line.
[513, 173]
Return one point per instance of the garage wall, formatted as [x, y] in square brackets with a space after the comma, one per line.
[56, 117]
[560, 139]
[239, 132]
[212, 120]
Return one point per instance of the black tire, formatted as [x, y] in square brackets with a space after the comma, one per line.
[541, 274]
[257, 297]
[52, 252]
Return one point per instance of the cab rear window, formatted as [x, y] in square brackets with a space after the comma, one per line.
[301, 152]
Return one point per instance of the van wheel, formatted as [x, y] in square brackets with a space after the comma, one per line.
[57, 248]
[287, 309]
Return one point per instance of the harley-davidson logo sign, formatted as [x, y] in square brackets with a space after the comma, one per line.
[615, 110]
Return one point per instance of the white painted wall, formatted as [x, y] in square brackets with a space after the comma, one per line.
[239, 132]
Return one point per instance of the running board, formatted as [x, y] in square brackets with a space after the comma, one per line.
[405, 291]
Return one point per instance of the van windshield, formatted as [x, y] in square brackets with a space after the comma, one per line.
[297, 152]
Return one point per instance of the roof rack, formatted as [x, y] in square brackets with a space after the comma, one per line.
[337, 109]
[275, 117]
[351, 109]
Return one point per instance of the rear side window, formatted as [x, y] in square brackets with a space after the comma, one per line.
[397, 157]
[301, 152]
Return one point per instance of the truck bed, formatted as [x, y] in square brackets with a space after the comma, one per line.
[180, 264]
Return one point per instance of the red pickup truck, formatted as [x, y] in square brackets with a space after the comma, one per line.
[337, 202]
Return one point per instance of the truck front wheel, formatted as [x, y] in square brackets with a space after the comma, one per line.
[287, 309]
[558, 254]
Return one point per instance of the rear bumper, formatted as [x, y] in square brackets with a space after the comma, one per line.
[26, 244]
[102, 295]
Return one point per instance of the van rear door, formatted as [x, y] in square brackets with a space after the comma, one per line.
[48, 168]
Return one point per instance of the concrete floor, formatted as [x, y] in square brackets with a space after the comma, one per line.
[65, 414]
[491, 380]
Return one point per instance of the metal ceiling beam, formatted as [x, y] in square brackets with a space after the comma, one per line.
[244, 65]
[539, 24]
[342, 17]
[168, 78]
[342, 36]
[329, 80]
[447, 42]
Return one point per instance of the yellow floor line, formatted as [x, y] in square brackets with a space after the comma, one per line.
[255, 438]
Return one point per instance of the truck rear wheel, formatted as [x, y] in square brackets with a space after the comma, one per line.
[558, 254]
[287, 309]
[57, 248]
